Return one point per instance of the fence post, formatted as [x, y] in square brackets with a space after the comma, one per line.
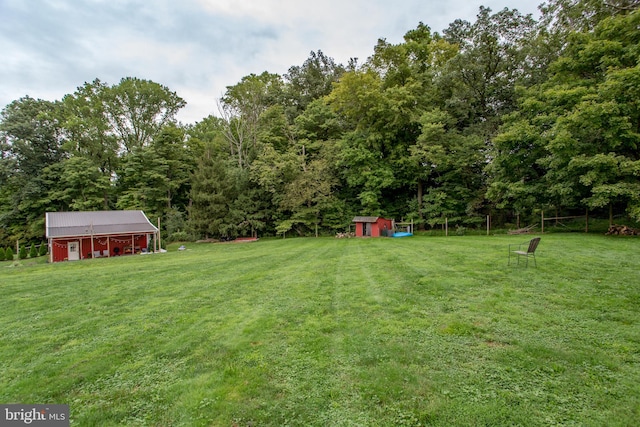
[542, 221]
[586, 222]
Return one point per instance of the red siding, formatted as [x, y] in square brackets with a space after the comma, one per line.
[381, 224]
[106, 245]
[377, 227]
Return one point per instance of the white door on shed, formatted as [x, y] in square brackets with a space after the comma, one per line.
[74, 251]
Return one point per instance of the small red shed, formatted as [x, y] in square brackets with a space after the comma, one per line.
[372, 226]
[79, 235]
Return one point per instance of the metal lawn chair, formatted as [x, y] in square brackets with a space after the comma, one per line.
[526, 249]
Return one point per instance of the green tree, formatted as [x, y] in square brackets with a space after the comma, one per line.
[31, 138]
[579, 131]
[310, 194]
[224, 201]
[139, 109]
[272, 171]
[564, 17]
[156, 178]
[81, 185]
[33, 251]
[516, 175]
[175, 225]
[365, 148]
[2, 255]
[478, 85]
[312, 80]
[455, 162]
[251, 211]
[23, 252]
[409, 72]
[472, 93]
[206, 134]
[595, 149]
[90, 134]
[43, 249]
[33, 130]
[176, 161]
[318, 126]
[8, 254]
[241, 108]
[382, 103]
[212, 191]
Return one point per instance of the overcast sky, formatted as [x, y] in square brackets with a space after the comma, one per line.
[199, 47]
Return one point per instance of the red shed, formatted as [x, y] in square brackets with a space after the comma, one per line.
[79, 235]
[372, 226]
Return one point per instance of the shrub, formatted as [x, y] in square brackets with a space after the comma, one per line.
[33, 252]
[43, 249]
[8, 254]
[23, 252]
[181, 236]
[1, 253]
[460, 231]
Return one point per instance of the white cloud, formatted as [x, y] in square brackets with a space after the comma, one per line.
[197, 47]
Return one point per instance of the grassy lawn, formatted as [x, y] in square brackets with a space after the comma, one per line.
[332, 332]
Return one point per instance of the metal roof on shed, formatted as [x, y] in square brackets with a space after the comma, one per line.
[73, 224]
[366, 219]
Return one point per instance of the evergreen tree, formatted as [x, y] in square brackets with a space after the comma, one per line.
[1, 254]
[211, 193]
[23, 252]
[33, 252]
[8, 254]
[43, 249]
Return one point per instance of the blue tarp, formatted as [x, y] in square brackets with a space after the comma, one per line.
[402, 234]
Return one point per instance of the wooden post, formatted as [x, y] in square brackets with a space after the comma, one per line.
[542, 221]
[159, 246]
[610, 215]
[92, 244]
[109, 246]
[446, 227]
[586, 222]
[18, 248]
[488, 224]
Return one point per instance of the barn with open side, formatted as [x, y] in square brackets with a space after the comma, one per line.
[372, 226]
[79, 235]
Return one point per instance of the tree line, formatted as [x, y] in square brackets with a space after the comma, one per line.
[503, 116]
